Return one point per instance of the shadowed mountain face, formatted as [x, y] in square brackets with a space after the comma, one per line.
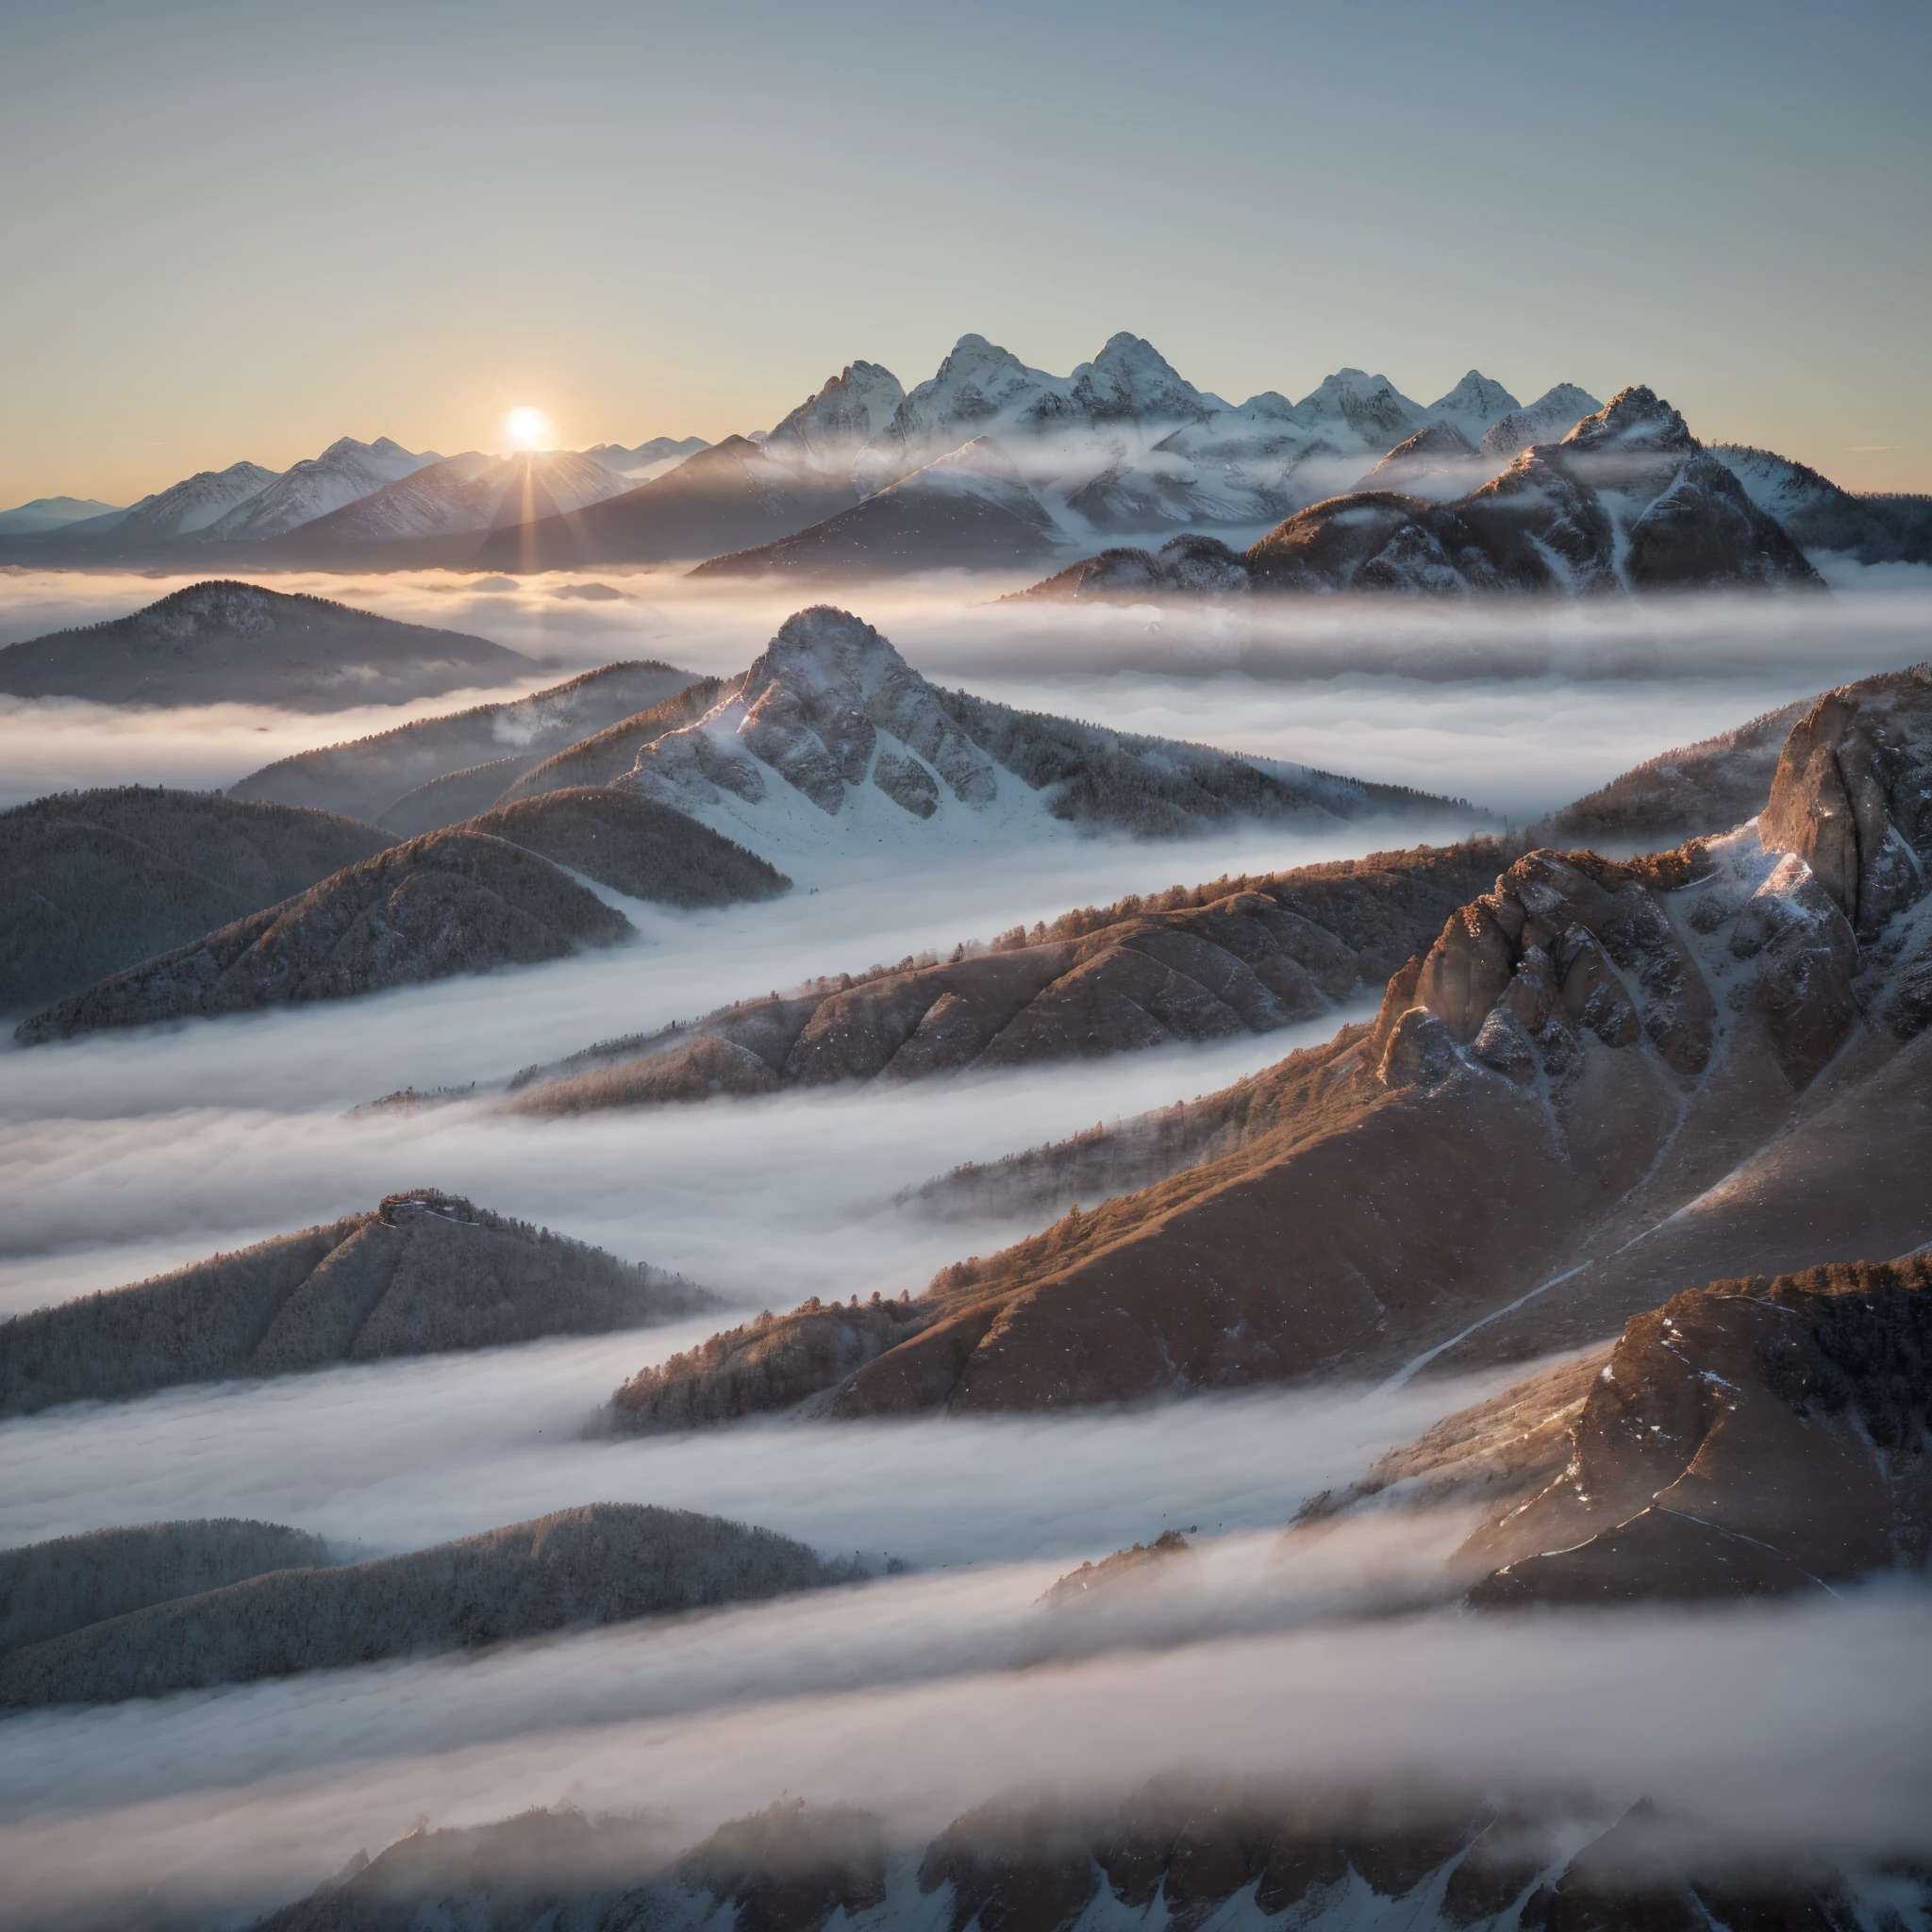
[48, 1589]
[421, 1273]
[1185, 1851]
[236, 644]
[969, 510]
[1602, 1077]
[1236, 957]
[633, 846]
[1629, 500]
[92, 882]
[600, 1564]
[370, 777]
[448, 902]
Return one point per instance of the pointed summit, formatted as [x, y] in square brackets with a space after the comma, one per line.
[1131, 379]
[1472, 406]
[1633, 420]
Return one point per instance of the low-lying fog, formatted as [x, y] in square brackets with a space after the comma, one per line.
[1518, 707]
[123, 1155]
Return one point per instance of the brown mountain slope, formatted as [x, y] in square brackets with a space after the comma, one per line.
[1572, 1084]
[94, 881]
[448, 902]
[422, 1272]
[1210, 963]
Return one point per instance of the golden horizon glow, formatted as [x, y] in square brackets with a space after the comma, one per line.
[528, 428]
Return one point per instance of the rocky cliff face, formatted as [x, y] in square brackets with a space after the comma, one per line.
[1598, 1077]
[423, 1272]
[448, 902]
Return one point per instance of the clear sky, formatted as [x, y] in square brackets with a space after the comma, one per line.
[241, 230]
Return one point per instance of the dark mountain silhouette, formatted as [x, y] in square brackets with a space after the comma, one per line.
[600, 1564]
[238, 644]
[727, 497]
[448, 902]
[368, 776]
[1602, 1076]
[422, 1272]
[92, 882]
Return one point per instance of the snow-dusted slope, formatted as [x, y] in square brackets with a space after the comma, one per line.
[345, 470]
[832, 744]
[1439, 461]
[1473, 406]
[1543, 421]
[187, 509]
[647, 460]
[969, 510]
[829, 429]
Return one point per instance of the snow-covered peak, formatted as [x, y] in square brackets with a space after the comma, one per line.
[979, 383]
[1131, 379]
[982, 468]
[345, 470]
[1634, 420]
[1438, 461]
[1368, 408]
[1472, 406]
[1775, 484]
[1552, 414]
[851, 408]
[193, 505]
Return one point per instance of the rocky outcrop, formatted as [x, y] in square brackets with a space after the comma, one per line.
[602, 1563]
[1602, 1074]
[422, 1272]
[449, 902]
[1132, 1565]
[92, 882]
[1755, 1437]
[633, 845]
[48, 1589]
[369, 778]
[1185, 1851]
[238, 644]
[1210, 963]
[1851, 798]
[1628, 501]
[1691, 793]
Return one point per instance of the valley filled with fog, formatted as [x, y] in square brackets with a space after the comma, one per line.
[131, 1151]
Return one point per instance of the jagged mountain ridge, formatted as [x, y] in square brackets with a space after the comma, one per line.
[1627, 501]
[344, 472]
[422, 1272]
[1659, 1046]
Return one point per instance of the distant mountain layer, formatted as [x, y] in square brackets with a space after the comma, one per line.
[422, 1272]
[364, 778]
[1601, 1076]
[599, 1564]
[1629, 500]
[449, 902]
[92, 882]
[47, 513]
[1238, 957]
[238, 644]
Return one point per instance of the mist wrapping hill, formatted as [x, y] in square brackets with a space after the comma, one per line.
[422, 1272]
[224, 642]
[1188, 1849]
[92, 882]
[1602, 1075]
[606, 1562]
[371, 777]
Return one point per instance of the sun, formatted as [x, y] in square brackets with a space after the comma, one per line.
[528, 428]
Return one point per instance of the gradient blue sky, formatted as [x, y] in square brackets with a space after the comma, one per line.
[243, 231]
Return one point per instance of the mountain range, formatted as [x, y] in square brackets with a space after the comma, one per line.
[993, 464]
